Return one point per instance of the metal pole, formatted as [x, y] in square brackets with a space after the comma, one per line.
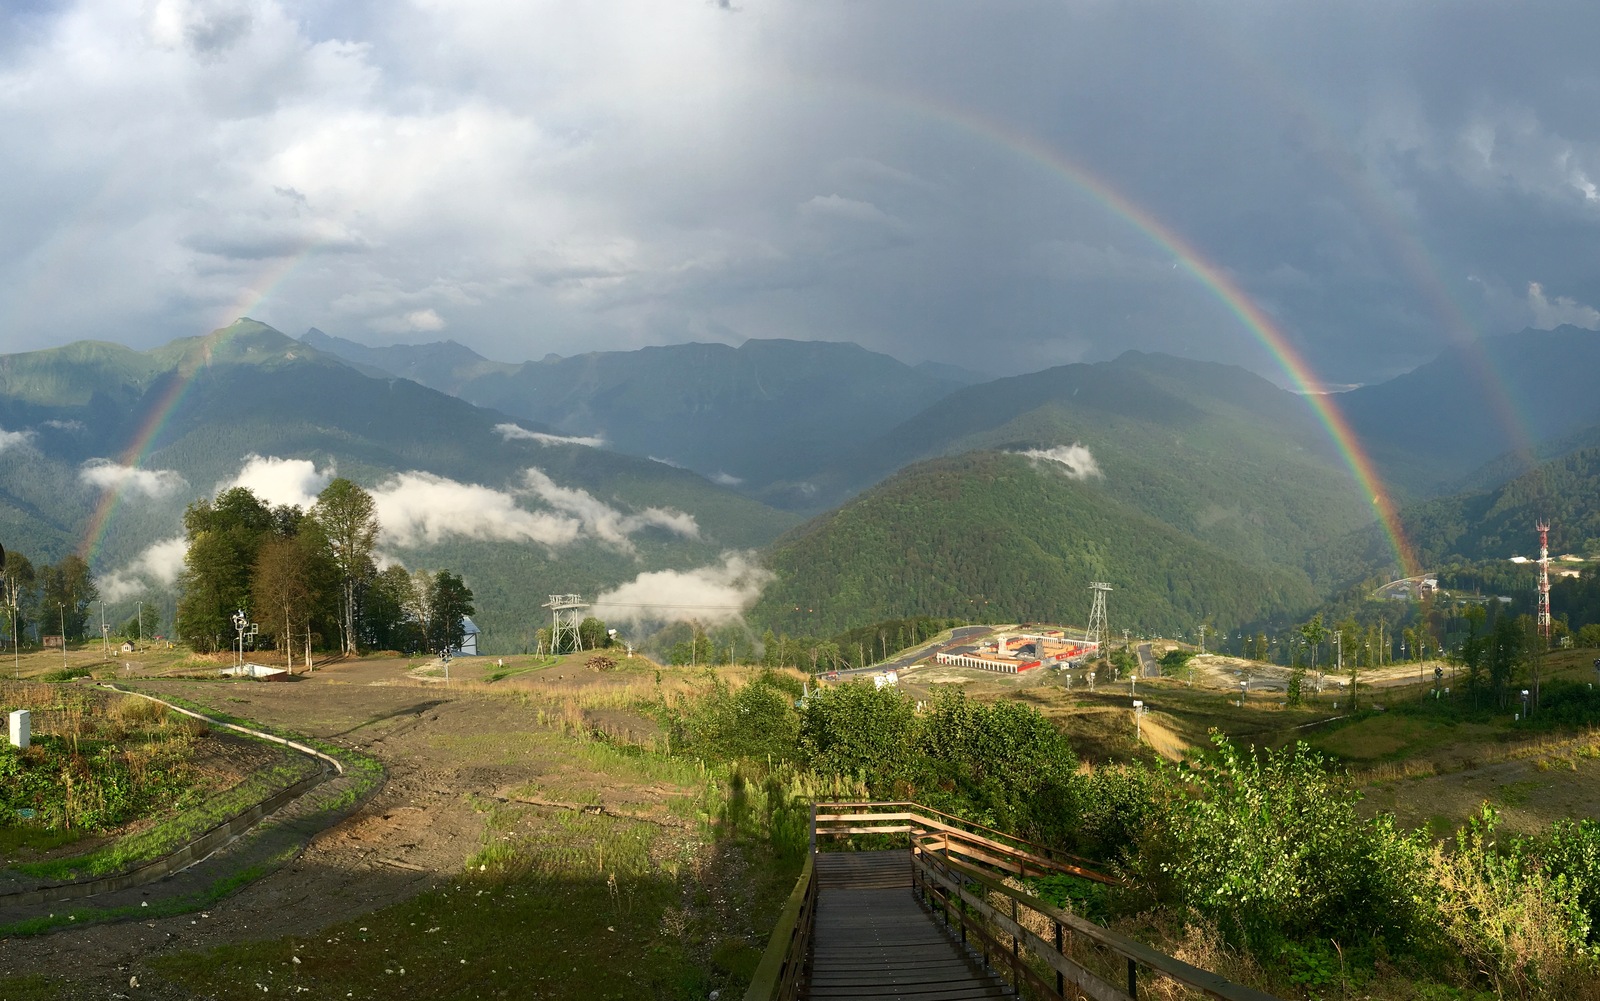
[140, 614]
[63, 609]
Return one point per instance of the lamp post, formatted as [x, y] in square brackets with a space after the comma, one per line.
[140, 615]
[1524, 703]
[1138, 710]
[61, 606]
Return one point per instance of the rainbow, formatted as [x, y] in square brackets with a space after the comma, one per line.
[171, 398]
[1210, 275]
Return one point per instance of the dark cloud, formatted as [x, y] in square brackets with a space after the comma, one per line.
[935, 181]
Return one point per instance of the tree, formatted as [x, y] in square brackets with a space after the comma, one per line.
[450, 605]
[592, 634]
[1314, 633]
[291, 582]
[387, 615]
[224, 538]
[17, 592]
[68, 589]
[346, 514]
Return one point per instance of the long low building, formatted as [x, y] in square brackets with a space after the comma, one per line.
[1018, 652]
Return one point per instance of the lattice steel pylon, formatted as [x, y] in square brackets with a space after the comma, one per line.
[1097, 613]
[1544, 580]
[566, 611]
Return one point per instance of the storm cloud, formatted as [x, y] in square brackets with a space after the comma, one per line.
[1005, 186]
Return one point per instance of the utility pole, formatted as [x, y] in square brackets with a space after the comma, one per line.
[140, 614]
[61, 606]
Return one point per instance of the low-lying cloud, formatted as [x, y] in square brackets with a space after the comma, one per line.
[603, 521]
[1075, 459]
[512, 432]
[710, 595]
[13, 439]
[158, 566]
[154, 483]
[281, 481]
[422, 509]
[1551, 313]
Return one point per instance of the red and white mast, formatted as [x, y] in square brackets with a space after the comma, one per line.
[1544, 580]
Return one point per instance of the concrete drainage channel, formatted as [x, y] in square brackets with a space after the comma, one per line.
[200, 849]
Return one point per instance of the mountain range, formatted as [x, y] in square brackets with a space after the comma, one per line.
[1201, 491]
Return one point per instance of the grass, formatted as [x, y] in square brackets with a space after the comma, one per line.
[160, 908]
[553, 904]
[170, 833]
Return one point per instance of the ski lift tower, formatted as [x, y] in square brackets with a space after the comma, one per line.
[1097, 614]
[566, 611]
[1544, 580]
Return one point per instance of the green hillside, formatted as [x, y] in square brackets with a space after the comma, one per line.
[1213, 451]
[1002, 537]
[1488, 524]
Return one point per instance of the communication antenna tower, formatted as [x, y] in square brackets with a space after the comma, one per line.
[1097, 613]
[566, 611]
[1544, 580]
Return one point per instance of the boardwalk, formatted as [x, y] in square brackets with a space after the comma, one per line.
[873, 940]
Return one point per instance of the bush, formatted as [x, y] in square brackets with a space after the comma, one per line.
[1271, 848]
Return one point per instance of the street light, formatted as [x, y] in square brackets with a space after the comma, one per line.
[140, 615]
[63, 609]
[1138, 710]
[1524, 703]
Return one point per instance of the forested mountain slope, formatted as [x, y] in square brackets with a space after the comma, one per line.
[1004, 537]
[1213, 451]
[1489, 524]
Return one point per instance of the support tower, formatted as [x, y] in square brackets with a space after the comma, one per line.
[1544, 580]
[566, 611]
[1097, 613]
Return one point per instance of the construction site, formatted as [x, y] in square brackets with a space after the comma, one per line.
[1016, 652]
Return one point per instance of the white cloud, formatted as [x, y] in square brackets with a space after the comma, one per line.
[65, 425]
[1551, 313]
[416, 320]
[281, 481]
[420, 509]
[726, 479]
[108, 475]
[601, 520]
[1075, 459]
[12, 439]
[709, 595]
[511, 432]
[158, 566]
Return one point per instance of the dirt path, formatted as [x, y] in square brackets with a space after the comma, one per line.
[448, 756]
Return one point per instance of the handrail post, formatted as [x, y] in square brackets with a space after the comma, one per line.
[1061, 981]
[813, 827]
[1133, 980]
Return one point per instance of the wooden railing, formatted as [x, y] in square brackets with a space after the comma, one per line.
[782, 967]
[958, 871]
[1012, 854]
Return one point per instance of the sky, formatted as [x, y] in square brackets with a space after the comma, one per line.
[993, 185]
